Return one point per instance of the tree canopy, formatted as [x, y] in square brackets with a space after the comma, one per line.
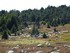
[52, 16]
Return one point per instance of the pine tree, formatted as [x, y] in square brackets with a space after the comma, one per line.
[14, 30]
[35, 32]
[44, 35]
[5, 35]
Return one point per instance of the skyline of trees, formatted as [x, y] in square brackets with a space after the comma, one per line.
[14, 20]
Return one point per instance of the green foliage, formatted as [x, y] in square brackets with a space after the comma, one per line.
[5, 35]
[8, 20]
[14, 30]
[48, 25]
[14, 18]
[44, 35]
[25, 24]
[35, 32]
[43, 22]
[55, 30]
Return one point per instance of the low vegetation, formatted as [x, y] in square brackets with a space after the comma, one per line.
[14, 20]
[33, 27]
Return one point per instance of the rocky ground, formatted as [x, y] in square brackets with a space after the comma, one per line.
[60, 47]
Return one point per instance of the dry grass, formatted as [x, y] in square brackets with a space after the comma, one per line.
[65, 38]
[24, 40]
[29, 40]
[32, 42]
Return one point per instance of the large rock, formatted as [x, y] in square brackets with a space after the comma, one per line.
[11, 51]
[67, 45]
[54, 52]
[39, 52]
[48, 43]
[39, 45]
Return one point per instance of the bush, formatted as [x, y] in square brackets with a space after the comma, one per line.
[48, 26]
[5, 35]
[35, 32]
[43, 22]
[44, 35]
[55, 30]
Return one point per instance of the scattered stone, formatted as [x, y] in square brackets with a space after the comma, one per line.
[25, 51]
[58, 50]
[39, 45]
[28, 35]
[16, 47]
[11, 51]
[67, 45]
[48, 43]
[55, 48]
[21, 51]
[54, 52]
[49, 34]
[39, 52]
[30, 28]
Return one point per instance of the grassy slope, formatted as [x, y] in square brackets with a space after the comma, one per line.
[65, 37]
[28, 41]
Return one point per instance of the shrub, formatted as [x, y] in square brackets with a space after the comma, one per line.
[44, 35]
[5, 35]
[55, 30]
[35, 32]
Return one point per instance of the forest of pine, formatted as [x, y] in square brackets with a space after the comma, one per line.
[14, 20]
